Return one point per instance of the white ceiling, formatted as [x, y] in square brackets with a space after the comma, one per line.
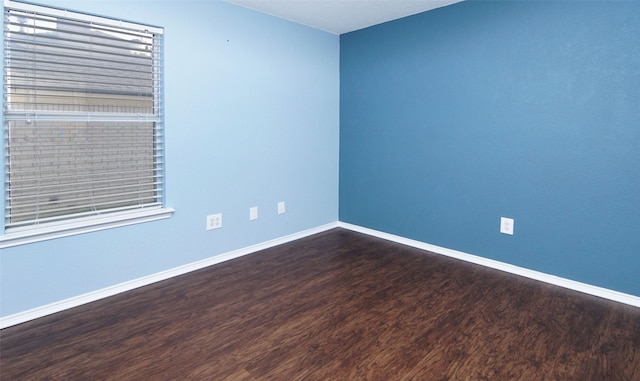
[342, 16]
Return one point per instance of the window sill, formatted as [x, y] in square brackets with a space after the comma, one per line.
[81, 226]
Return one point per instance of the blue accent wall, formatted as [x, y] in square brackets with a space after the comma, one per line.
[252, 119]
[453, 118]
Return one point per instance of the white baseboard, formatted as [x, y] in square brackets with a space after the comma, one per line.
[89, 297]
[532, 274]
[62, 305]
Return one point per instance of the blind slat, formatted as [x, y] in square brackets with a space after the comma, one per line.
[94, 195]
[57, 36]
[81, 187]
[67, 215]
[40, 62]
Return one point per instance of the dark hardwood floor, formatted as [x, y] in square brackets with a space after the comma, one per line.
[335, 306]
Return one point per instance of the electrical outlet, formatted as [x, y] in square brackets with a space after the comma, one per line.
[506, 225]
[253, 213]
[214, 221]
[281, 207]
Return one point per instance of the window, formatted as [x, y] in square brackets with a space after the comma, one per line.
[83, 123]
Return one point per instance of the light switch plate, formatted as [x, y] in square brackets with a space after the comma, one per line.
[253, 213]
[281, 207]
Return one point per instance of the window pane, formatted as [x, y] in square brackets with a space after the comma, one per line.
[82, 118]
[60, 168]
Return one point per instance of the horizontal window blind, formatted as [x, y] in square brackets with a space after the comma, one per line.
[83, 116]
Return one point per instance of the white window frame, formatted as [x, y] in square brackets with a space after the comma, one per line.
[107, 219]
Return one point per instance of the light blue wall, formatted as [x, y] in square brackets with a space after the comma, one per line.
[252, 119]
[527, 109]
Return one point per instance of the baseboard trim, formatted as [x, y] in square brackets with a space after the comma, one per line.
[106, 292]
[532, 274]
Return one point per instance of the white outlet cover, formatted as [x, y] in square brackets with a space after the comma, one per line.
[214, 221]
[281, 207]
[506, 225]
[253, 213]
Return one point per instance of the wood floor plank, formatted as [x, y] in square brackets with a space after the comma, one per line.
[335, 306]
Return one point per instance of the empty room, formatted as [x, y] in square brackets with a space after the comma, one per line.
[320, 190]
